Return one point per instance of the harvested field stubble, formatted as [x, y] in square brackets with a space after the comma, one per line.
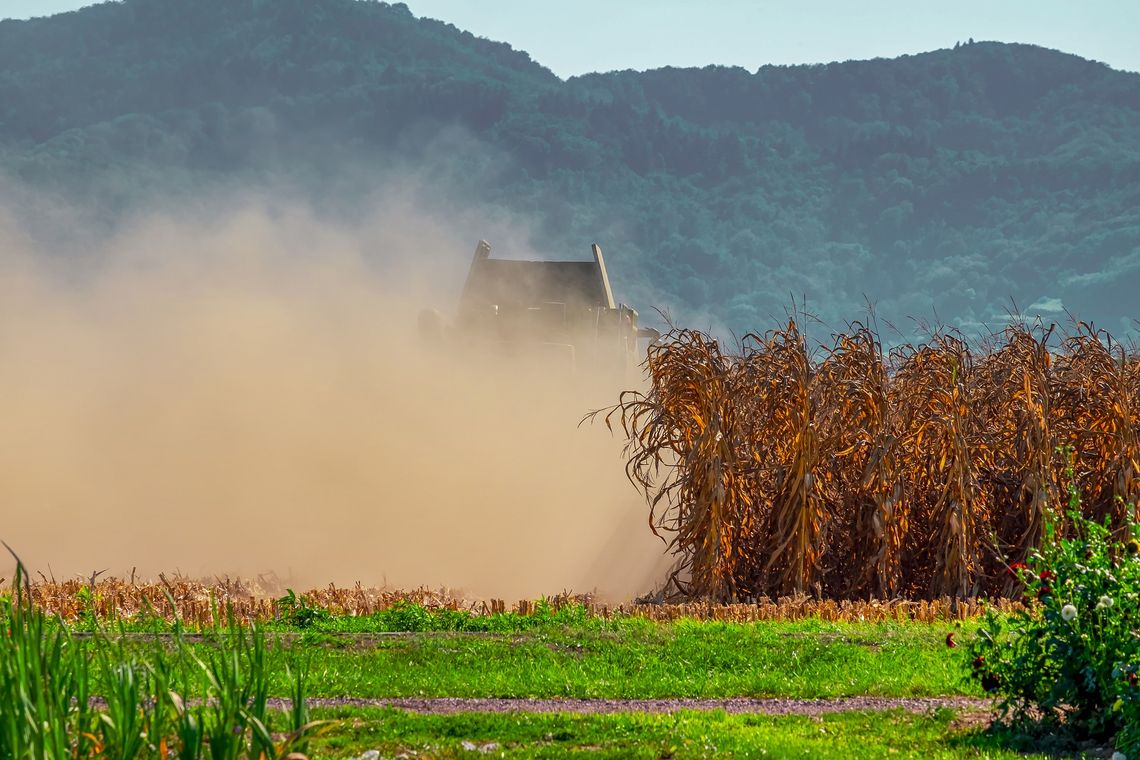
[852, 473]
[209, 604]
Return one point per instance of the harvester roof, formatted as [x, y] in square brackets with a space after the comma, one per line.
[511, 283]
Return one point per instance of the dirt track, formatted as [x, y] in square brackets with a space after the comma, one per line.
[447, 705]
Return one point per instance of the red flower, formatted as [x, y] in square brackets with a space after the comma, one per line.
[1044, 591]
[950, 640]
[1046, 575]
[979, 662]
[1133, 680]
[1016, 568]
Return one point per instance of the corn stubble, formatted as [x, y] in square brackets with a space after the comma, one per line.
[850, 472]
[205, 605]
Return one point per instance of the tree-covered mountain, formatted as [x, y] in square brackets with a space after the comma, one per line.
[955, 180]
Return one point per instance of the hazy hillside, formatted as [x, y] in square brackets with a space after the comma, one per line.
[956, 179]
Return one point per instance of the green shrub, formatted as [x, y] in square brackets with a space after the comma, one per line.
[1069, 661]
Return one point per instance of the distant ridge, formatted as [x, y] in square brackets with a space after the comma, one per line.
[955, 179]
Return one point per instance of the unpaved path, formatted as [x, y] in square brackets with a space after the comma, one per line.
[774, 706]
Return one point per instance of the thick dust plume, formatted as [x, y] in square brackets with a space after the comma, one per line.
[246, 394]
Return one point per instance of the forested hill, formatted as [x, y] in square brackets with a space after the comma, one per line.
[954, 180]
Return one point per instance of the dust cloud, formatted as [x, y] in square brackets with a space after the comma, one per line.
[244, 392]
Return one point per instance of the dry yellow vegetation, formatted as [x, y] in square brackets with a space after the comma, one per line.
[210, 603]
[852, 472]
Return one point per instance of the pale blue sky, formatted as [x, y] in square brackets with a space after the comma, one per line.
[577, 36]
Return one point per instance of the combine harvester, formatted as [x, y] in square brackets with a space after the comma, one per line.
[558, 314]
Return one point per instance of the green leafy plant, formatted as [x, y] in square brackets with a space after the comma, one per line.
[1068, 662]
[297, 610]
[97, 693]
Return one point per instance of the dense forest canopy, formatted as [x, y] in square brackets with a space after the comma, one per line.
[959, 181]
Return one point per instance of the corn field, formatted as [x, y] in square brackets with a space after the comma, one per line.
[852, 472]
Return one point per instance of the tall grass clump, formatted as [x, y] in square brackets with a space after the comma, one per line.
[66, 695]
[44, 683]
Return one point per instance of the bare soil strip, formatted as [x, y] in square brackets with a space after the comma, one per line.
[775, 706]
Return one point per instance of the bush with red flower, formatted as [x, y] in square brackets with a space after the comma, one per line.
[1070, 660]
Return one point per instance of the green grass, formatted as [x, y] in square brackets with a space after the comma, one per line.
[566, 653]
[643, 660]
[405, 616]
[230, 671]
[682, 735]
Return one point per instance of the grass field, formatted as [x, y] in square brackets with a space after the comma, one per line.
[642, 660]
[409, 651]
[893, 734]
[636, 659]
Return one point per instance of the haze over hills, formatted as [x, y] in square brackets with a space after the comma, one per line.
[954, 180]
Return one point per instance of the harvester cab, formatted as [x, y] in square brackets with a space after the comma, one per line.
[559, 312]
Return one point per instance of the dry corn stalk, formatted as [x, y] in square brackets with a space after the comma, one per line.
[1015, 401]
[944, 446]
[778, 391]
[1097, 394]
[859, 420]
[683, 453]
